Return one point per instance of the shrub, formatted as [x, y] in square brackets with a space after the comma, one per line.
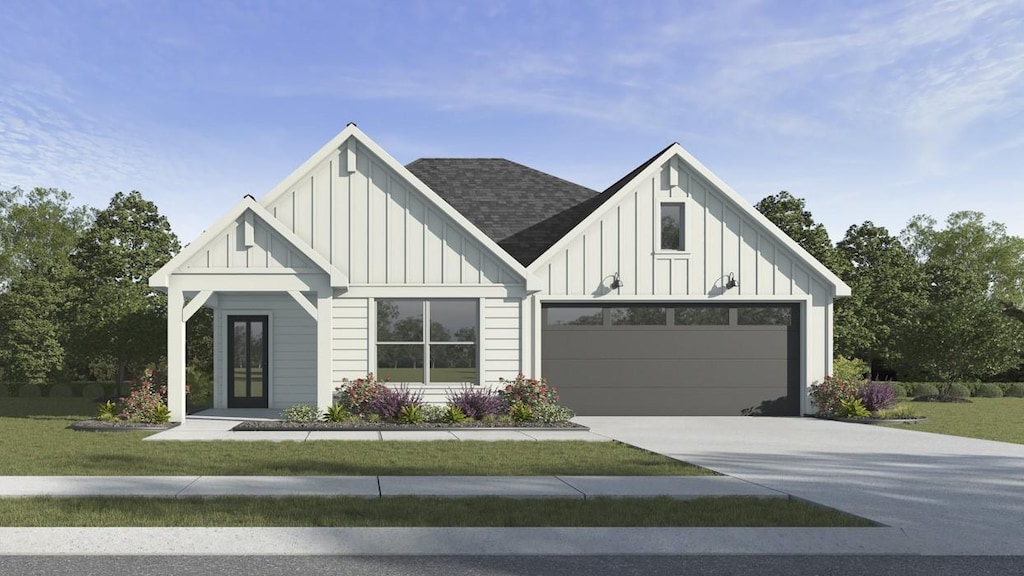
[549, 413]
[852, 408]
[335, 413]
[529, 391]
[301, 413]
[902, 412]
[850, 369]
[829, 394]
[955, 390]
[357, 396]
[899, 390]
[432, 413]
[1016, 390]
[199, 385]
[476, 402]
[108, 412]
[520, 412]
[876, 396]
[388, 402]
[924, 389]
[989, 390]
[410, 414]
[143, 404]
[455, 415]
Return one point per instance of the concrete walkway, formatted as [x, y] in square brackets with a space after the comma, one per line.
[947, 494]
[581, 487]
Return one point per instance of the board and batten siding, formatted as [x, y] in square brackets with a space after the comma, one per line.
[376, 228]
[269, 251]
[292, 347]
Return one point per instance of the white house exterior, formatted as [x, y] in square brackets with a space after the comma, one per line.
[456, 271]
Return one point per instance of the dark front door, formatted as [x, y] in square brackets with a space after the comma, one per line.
[248, 368]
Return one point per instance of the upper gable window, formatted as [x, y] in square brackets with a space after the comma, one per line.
[673, 226]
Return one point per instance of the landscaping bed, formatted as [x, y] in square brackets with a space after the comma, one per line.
[94, 425]
[283, 426]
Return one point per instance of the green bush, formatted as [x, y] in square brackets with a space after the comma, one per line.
[853, 408]
[902, 412]
[301, 413]
[989, 390]
[432, 413]
[850, 369]
[30, 391]
[108, 412]
[898, 389]
[455, 415]
[410, 414]
[550, 413]
[956, 390]
[924, 389]
[335, 413]
[1015, 390]
[199, 385]
[520, 412]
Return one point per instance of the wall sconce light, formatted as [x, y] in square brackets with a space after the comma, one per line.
[731, 282]
[616, 283]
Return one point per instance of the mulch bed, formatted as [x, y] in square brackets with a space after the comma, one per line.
[94, 425]
[280, 426]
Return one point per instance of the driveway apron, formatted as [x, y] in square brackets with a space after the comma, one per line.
[950, 495]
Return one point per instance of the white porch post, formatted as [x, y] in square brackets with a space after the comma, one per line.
[324, 351]
[175, 353]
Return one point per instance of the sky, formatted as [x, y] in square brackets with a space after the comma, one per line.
[868, 110]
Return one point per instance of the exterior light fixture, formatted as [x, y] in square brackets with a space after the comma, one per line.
[616, 283]
[731, 282]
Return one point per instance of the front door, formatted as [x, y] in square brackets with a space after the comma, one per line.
[248, 368]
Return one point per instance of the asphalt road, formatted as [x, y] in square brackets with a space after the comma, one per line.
[512, 565]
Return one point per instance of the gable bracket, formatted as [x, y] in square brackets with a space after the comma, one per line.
[308, 306]
[194, 304]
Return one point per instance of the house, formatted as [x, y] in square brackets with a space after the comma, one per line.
[665, 294]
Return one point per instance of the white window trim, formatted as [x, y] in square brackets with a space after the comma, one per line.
[425, 341]
[677, 200]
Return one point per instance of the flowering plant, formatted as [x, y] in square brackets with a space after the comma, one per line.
[829, 395]
[357, 396]
[529, 391]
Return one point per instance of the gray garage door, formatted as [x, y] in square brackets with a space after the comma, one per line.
[674, 360]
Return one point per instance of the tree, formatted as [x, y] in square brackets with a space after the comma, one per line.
[119, 316]
[888, 290]
[38, 231]
[974, 273]
[790, 214]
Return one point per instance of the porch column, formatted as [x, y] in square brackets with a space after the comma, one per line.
[175, 353]
[324, 348]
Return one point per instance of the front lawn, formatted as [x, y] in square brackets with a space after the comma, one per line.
[413, 511]
[999, 419]
[35, 440]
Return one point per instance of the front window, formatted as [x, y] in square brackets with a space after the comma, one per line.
[427, 340]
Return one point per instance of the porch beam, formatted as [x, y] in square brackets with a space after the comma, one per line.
[304, 302]
[193, 306]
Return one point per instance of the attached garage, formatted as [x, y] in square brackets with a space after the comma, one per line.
[672, 359]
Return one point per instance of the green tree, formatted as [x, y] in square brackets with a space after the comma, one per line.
[790, 214]
[974, 273]
[888, 290]
[38, 231]
[118, 315]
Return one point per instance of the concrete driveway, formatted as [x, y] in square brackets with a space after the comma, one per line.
[949, 495]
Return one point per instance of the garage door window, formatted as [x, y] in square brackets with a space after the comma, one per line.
[427, 340]
[575, 316]
[637, 316]
[701, 316]
[764, 316]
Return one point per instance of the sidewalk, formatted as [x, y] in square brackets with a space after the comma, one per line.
[582, 487]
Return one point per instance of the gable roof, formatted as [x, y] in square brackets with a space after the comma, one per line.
[522, 209]
[161, 278]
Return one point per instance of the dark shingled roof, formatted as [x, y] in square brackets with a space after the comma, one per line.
[525, 211]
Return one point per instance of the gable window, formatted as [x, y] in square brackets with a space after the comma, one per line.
[673, 226]
[429, 341]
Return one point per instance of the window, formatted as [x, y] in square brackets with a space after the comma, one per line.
[575, 316]
[702, 315]
[638, 316]
[764, 316]
[673, 227]
[427, 340]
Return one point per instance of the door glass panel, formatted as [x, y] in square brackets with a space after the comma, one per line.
[256, 359]
[575, 316]
[400, 362]
[702, 316]
[239, 360]
[453, 320]
[399, 320]
[638, 316]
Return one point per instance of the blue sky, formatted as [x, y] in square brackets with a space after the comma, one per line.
[869, 111]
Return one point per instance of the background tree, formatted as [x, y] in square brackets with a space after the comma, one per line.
[790, 214]
[888, 290]
[974, 272]
[118, 315]
[38, 231]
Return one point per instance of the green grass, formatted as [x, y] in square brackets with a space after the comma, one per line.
[999, 419]
[412, 511]
[451, 375]
[35, 440]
